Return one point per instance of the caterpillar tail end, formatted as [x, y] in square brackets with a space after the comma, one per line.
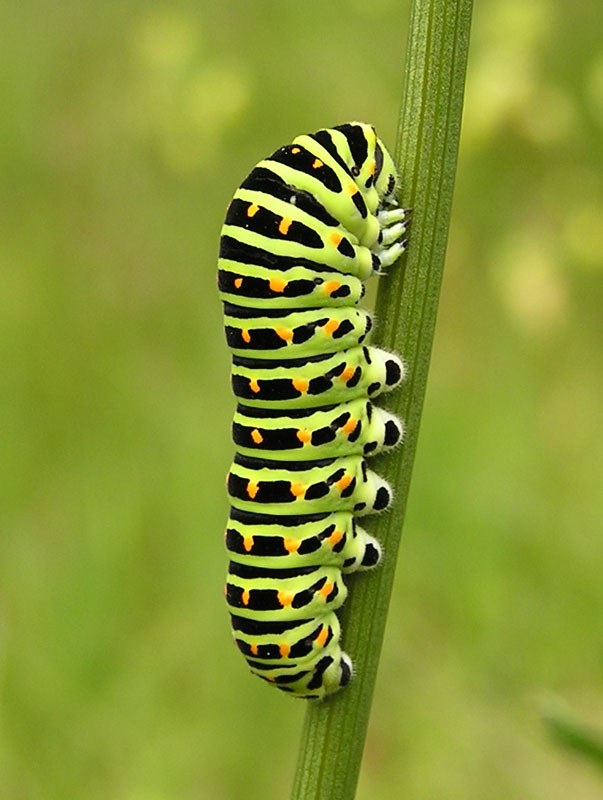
[335, 677]
[321, 679]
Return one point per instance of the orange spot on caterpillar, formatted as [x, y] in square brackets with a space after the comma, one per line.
[284, 650]
[252, 489]
[322, 636]
[372, 168]
[335, 238]
[330, 286]
[245, 597]
[254, 649]
[238, 282]
[284, 225]
[225, 589]
[344, 482]
[331, 327]
[252, 210]
[291, 545]
[317, 163]
[248, 543]
[257, 436]
[335, 537]
[326, 590]
[277, 284]
[285, 598]
[296, 150]
[301, 384]
[297, 489]
[284, 333]
[254, 386]
[245, 335]
[347, 374]
[350, 426]
[304, 436]
[352, 188]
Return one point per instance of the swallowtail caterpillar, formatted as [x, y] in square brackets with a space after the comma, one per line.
[303, 232]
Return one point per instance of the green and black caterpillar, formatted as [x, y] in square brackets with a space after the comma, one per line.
[303, 231]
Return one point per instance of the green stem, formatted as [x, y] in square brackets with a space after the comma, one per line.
[434, 76]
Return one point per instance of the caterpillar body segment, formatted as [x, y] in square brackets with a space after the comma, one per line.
[339, 484]
[306, 227]
[297, 285]
[290, 334]
[330, 539]
[356, 427]
[318, 381]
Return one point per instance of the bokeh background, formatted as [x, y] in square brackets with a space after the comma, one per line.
[125, 128]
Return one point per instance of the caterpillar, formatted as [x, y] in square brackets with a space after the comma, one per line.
[302, 233]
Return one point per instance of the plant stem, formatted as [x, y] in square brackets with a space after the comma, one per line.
[434, 76]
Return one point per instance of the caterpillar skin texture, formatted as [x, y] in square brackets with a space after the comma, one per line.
[303, 231]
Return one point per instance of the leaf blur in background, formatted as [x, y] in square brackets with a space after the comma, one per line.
[126, 128]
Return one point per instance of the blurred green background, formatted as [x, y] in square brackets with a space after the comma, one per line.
[125, 128]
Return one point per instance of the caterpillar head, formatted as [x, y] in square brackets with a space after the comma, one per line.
[372, 165]
[386, 177]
